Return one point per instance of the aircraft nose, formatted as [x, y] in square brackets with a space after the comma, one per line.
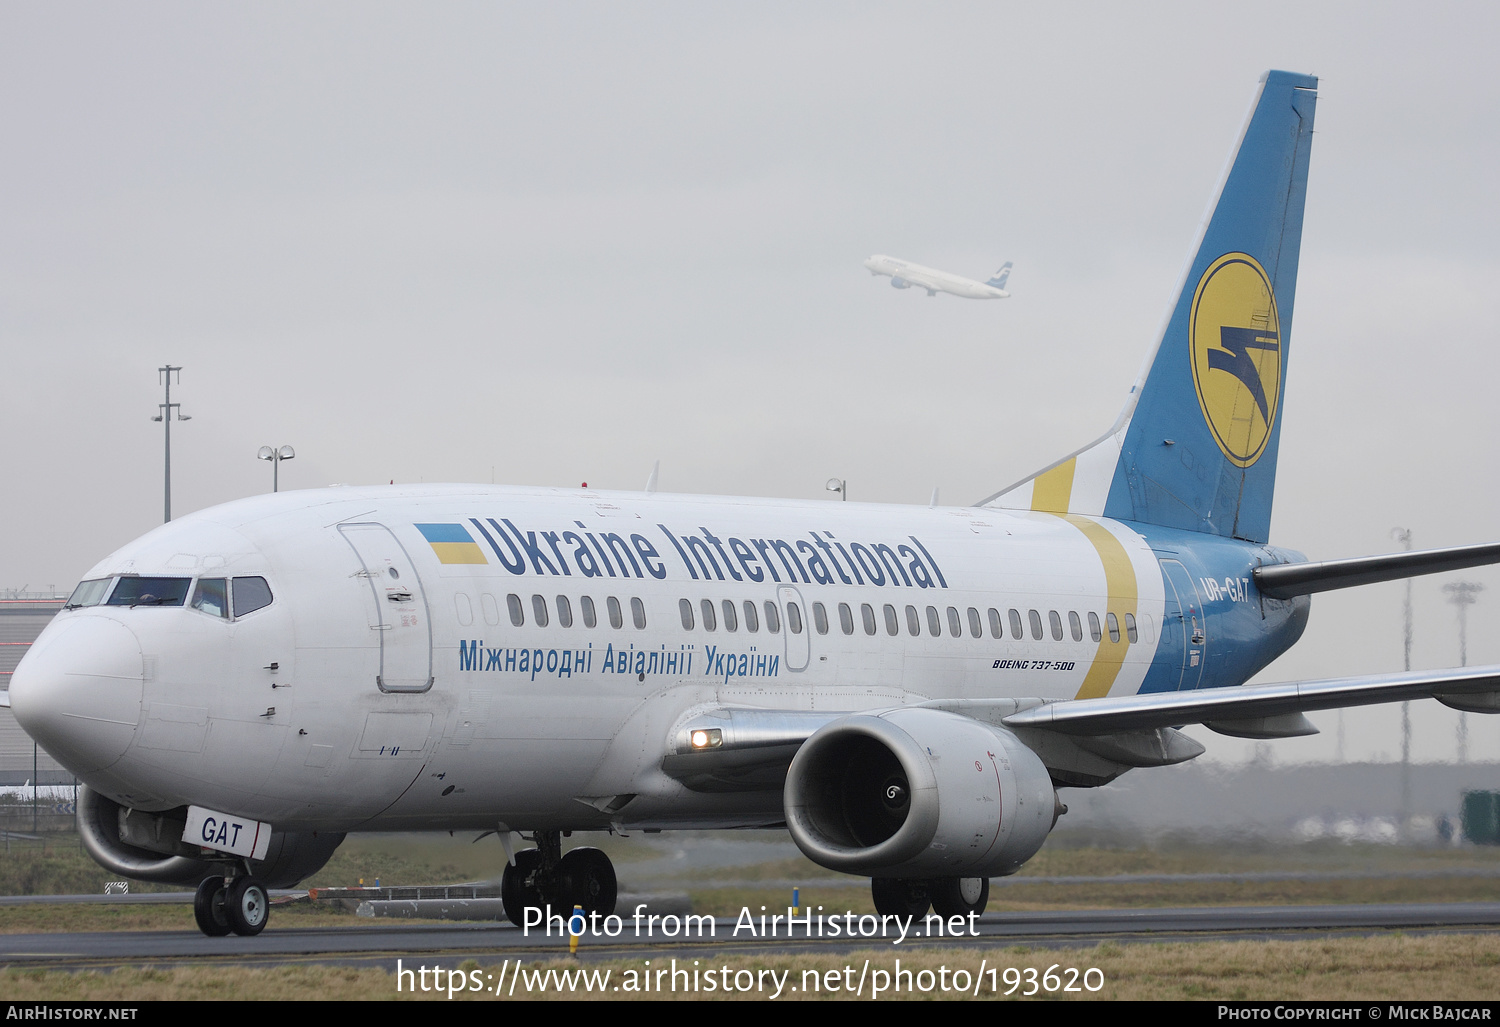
[78, 691]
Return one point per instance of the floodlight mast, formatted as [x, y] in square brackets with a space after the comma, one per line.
[164, 374]
[276, 456]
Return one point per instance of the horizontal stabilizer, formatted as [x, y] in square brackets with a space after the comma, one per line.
[1255, 702]
[1283, 581]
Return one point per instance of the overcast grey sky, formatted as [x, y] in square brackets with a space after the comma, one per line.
[554, 243]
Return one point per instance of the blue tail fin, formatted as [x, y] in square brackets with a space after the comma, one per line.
[1195, 447]
[999, 278]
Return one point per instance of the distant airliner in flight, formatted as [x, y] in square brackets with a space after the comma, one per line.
[905, 274]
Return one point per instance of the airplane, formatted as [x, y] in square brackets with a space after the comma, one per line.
[905, 274]
[907, 690]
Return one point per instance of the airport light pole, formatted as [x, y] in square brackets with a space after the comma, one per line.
[1403, 535]
[1463, 595]
[164, 374]
[839, 485]
[276, 456]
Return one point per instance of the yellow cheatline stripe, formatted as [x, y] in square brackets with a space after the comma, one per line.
[1123, 597]
[1051, 490]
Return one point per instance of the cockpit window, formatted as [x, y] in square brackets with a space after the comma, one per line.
[88, 593]
[212, 597]
[150, 592]
[250, 594]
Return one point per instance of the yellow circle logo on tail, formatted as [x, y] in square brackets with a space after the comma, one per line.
[1236, 347]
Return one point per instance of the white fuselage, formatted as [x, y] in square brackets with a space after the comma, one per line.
[388, 685]
[904, 274]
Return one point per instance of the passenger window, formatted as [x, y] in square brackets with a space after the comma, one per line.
[731, 622]
[1114, 627]
[954, 627]
[1148, 629]
[590, 619]
[1036, 624]
[638, 614]
[564, 612]
[934, 625]
[975, 628]
[997, 630]
[1015, 625]
[517, 613]
[616, 618]
[773, 618]
[892, 622]
[1075, 625]
[793, 619]
[491, 610]
[820, 618]
[1094, 631]
[212, 597]
[461, 604]
[710, 619]
[248, 595]
[685, 607]
[846, 618]
[1130, 631]
[539, 611]
[752, 622]
[867, 614]
[913, 621]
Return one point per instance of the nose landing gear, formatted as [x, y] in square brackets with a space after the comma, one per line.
[544, 876]
[208, 908]
[240, 906]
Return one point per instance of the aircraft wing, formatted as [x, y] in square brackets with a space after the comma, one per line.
[739, 750]
[1263, 710]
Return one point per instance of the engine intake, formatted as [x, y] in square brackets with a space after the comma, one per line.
[148, 846]
[918, 793]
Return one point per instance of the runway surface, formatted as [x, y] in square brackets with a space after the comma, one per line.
[384, 943]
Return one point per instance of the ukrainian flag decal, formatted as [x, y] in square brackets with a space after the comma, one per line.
[1236, 348]
[452, 543]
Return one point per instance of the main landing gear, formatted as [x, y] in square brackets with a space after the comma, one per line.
[544, 876]
[239, 905]
[945, 896]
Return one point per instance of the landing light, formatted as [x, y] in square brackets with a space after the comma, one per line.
[706, 738]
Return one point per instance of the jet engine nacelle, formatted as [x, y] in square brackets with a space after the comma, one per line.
[918, 793]
[899, 283]
[149, 847]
